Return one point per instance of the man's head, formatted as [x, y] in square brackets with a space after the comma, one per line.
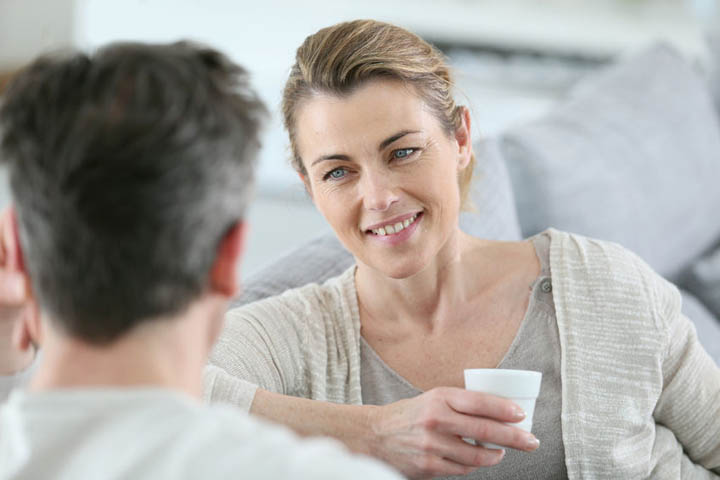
[128, 168]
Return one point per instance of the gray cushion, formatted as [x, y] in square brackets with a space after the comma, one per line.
[493, 217]
[632, 156]
[703, 280]
[713, 70]
[706, 324]
[315, 261]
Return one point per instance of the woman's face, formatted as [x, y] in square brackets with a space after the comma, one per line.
[384, 173]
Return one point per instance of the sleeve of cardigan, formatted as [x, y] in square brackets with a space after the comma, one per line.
[261, 345]
[689, 404]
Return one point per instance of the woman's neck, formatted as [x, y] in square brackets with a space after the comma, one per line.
[427, 298]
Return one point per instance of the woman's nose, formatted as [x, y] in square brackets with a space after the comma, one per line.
[377, 190]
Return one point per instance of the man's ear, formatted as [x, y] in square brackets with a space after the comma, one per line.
[463, 137]
[28, 331]
[13, 255]
[223, 275]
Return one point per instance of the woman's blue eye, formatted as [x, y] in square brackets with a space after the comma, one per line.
[403, 153]
[336, 174]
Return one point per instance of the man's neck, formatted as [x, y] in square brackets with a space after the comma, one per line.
[167, 353]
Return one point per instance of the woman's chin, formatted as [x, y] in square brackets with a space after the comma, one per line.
[397, 270]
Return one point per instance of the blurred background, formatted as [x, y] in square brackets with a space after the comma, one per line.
[513, 59]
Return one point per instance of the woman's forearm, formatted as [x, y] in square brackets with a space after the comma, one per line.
[420, 436]
[351, 424]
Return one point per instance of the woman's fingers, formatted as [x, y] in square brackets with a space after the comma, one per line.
[481, 417]
[436, 466]
[421, 436]
[483, 405]
[441, 455]
[462, 454]
[484, 430]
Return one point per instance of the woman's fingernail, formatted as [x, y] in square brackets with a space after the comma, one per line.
[519, 413]
[532, 442]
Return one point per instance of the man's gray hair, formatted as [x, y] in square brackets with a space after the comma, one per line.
[128, 167]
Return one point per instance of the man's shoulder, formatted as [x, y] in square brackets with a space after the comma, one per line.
[158, 434]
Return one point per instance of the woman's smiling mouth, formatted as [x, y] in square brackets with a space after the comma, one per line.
[395, 229]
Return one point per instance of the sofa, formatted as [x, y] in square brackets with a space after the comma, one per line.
[630, 155]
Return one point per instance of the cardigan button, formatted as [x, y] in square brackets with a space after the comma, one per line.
[546, 285]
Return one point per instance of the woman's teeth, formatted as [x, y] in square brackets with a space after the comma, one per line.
[396, 228]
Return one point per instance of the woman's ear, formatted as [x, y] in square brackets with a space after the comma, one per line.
[463, 137]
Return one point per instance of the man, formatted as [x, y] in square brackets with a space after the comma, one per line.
[131, 170]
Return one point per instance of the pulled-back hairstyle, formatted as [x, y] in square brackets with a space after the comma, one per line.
[339, 59]
[127, 167]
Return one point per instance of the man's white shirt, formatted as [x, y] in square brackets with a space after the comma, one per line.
[158, 434]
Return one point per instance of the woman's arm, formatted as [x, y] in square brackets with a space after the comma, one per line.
[269, 345]
[421, 436]
[690, 401]
[262, 345]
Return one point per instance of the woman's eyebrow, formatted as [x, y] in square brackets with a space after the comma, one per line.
[332, 156]
[383, 145]
[395, 137]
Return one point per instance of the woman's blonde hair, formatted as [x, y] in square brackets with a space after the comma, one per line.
[341, 58]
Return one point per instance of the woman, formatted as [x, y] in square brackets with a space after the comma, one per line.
[375, 356]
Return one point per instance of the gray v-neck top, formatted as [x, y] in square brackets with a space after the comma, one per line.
[535, 347]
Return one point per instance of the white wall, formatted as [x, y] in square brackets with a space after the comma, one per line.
[263, 35]
[28, 27]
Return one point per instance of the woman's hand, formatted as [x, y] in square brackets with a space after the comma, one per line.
[16, 303]
[422, 436]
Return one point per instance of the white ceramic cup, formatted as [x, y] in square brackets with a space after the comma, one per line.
[520, 386]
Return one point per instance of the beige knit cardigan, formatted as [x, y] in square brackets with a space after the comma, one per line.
[640, 396]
